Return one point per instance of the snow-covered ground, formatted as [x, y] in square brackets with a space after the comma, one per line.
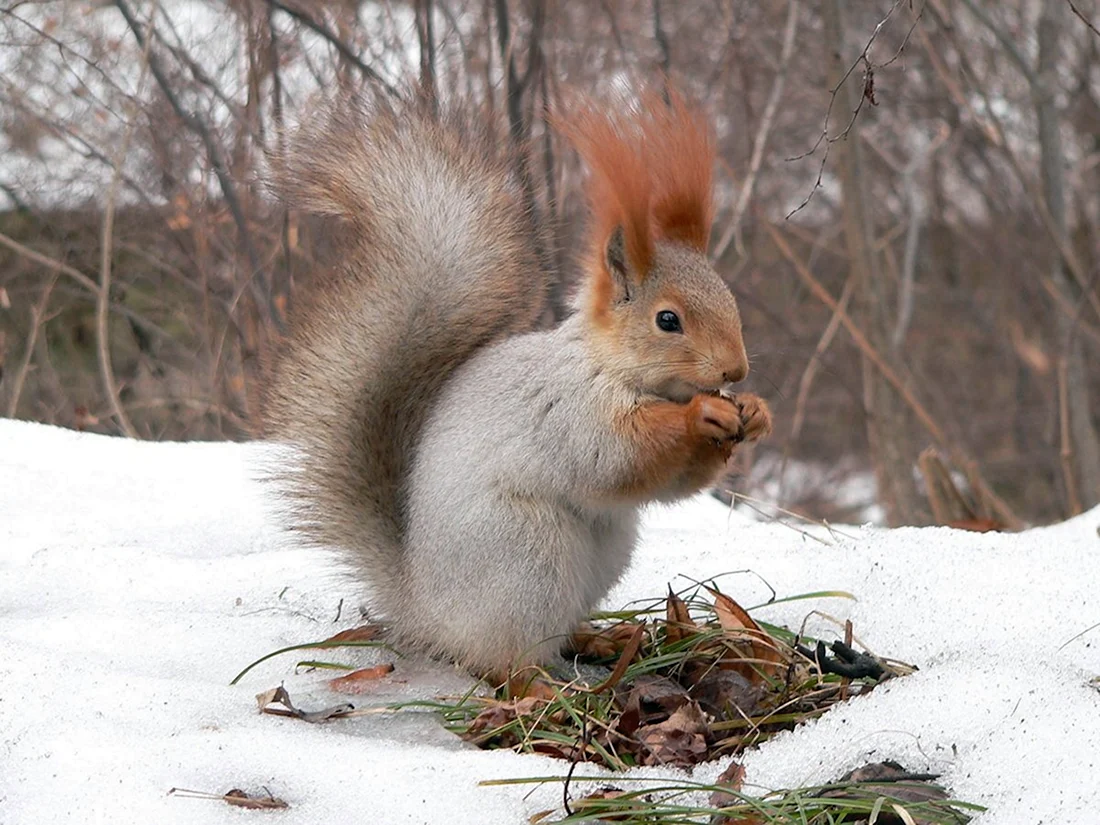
[137, 579]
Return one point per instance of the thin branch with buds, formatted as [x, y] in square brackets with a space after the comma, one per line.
[1084, 19]
[868, 95]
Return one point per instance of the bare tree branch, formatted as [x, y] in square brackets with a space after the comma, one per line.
[38, 318]
[334, 40]
[103, 346]
[1084, 19]
[426, 36]
[217, 162]
[662, 39]
[50, 263]
[1009, 44]
[733, 230]
[923, 415]
[868, 94]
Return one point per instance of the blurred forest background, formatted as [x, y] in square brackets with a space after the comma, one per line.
[908, 209]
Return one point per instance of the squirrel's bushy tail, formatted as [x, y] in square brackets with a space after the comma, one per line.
[437, 259]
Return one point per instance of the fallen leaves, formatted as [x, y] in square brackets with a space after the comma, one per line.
[679, 740]
[729, 782]
[630, 651]
[752, 652]
[236, 798]
[596, 804]
[494, 723]
[362, 680]
[363, 633]
[279, 696]
[690, 682]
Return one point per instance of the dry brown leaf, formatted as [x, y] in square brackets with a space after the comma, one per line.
[239, 799]
[727, 694]
[493, 717]
[677, 619]
[889, 778]
[363, 633]
[497, 715]
[235, 797]
[741, 819]
[588, 801]
[977, 525]
[732, 778]
[657, 697]
[568, 752]
[533, 684]
[268, 696]
[601, 643]
[736, 621]
[731, 615]
[679, 740]
[629, 652]
[279, 696]
[360, 681]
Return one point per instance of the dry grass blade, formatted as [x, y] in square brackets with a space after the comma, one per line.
[625, 660]
[364, 636]
[676, 802]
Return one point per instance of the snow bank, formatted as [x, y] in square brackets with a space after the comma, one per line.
[137, 579]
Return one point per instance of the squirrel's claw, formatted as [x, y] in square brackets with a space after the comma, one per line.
[756, 418]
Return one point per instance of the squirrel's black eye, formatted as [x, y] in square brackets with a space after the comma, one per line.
[669, 321]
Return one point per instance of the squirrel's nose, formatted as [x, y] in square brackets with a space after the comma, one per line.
[736, 374]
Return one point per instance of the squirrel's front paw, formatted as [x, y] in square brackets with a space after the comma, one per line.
[756, 419]
[716, 417]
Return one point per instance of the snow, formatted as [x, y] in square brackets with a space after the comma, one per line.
[137, 579]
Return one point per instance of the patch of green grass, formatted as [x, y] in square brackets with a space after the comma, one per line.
[690, 803]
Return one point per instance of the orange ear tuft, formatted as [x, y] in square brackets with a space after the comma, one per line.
[651, 172]
[619, 186]
[680, 154]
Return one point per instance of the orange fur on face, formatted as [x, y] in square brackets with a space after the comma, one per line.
[651, 173]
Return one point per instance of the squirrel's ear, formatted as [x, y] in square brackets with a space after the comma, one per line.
[617, 265]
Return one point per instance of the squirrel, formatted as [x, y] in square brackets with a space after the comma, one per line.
[481, 474]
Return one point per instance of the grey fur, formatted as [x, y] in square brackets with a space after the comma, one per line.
[507, 548]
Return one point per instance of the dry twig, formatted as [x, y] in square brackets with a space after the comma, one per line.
[733, 231]
[1002, 509]
[38, 316]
